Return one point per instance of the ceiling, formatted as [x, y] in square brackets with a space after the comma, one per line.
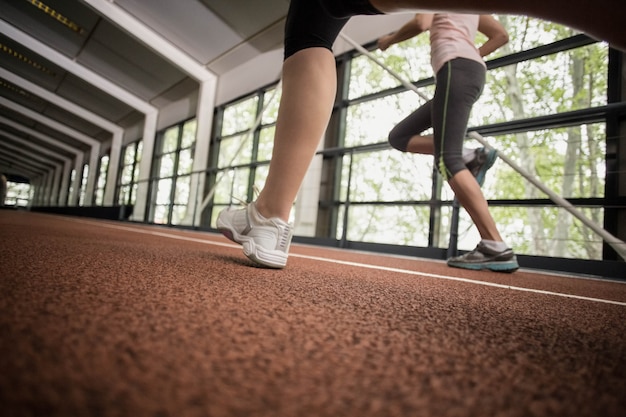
[73, 71]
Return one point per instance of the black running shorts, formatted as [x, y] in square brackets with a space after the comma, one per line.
[317, 23]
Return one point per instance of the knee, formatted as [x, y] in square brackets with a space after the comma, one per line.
[450, 165]
[399, 142]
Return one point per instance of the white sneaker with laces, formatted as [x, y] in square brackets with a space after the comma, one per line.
[265, 241]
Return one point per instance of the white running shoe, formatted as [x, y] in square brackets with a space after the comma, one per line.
[264, 241]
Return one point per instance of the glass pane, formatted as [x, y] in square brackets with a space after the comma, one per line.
[410, 60]
[127, 174]
[102, 175]
[236, 150]
[161, 214]
[231, 186]
[568, 161]
[566, 81]
[99, 197]
[548, 231]
[167, 165]
[396, 225]
[388, 176]
[18, 194]
[271, 104]
[266, 144]
[185, 161]
[133, 196]
[260, 176]
[181, 194]
[139, 151]
[129, 154]
[189, 134]
[136, 172]
[240, 117]
[371, 121]
[83, 185]
[527, 33]
[123, 196]
[164, 191]
[178, 214]
[170, 140]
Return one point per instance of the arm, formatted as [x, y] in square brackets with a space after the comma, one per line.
[420, 23]
[495, 32]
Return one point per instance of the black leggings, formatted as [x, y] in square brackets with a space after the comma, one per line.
[459, 84]
[317, 23]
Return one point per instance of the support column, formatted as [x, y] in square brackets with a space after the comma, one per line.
[615, 188]
[141, 209]
[115, 155]
[204, 118]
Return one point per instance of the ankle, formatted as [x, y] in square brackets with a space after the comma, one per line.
[497, 246]
[268, 212]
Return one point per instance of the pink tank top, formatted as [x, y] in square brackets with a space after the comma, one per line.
[452, 36]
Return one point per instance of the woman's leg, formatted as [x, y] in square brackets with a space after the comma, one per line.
[470, 196]
[459, 84]
[309, 87]
[406, 135]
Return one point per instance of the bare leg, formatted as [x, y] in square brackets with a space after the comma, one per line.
[309, 88]
[470, 196]
[421, 144]
[601, 19]
[465, 188]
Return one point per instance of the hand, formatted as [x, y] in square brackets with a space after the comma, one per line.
[384, 42]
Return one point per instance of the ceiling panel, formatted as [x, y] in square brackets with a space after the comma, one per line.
[188, 24]
[117, 56]
[61, 137]
[25, 153]
[93, 99]
[8, 135]
[29, 65]
[66, 29]
[249, 17]
[71, 120]
[15, 117]
[219, 34]
[15, 165]
[22, 97]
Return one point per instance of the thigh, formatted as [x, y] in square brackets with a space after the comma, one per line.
[459, 85]
[414, 124]
[309, 25]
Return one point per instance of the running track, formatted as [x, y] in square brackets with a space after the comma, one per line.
[102, 318]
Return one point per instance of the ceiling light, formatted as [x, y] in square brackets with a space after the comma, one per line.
[57, 16]
[17, 55]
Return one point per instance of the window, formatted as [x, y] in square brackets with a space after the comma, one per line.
[18, 194]
[173, 166]
[83, 185]
[245, 144]
[538, 108]
[101, 181]
[129, 174]
[397, 198]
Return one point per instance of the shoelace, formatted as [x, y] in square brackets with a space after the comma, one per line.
[255, 191]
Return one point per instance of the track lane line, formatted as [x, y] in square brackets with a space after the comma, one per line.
[358, 264]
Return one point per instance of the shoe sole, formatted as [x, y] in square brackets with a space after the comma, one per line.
[269, 259]
[507, 267]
